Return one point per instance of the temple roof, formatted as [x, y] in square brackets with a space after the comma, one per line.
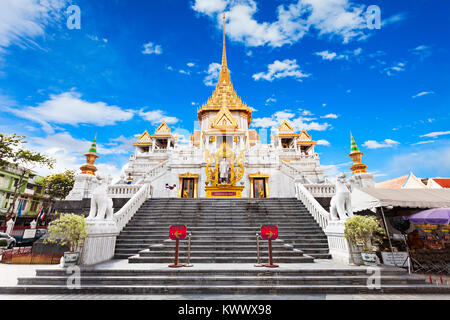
[224, 94]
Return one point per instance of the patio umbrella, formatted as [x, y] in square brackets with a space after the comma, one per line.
[432, 216]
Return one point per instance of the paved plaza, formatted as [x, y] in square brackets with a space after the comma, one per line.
[10, 273]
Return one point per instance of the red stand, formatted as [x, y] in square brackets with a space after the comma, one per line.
[176, 264]
[271, 264]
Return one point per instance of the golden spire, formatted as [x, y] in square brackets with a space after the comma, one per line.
[224, 95]
[91, 156]
[224, 72]
[356, 155]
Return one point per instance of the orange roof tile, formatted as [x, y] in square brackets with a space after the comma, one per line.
[443, 182]
[395, 183]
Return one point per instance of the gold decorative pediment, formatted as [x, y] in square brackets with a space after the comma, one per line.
[224, 120]
[286, 127]
[163, 128]
[144, 139]
[304, 136]
[188, 175]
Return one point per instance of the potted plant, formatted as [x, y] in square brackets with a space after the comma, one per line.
[365, 232]
[69, 229]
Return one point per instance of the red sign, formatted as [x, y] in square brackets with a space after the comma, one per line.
[177, 232]
[269, 232]
[223, 194]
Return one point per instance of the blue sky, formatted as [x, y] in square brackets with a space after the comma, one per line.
[135, 63]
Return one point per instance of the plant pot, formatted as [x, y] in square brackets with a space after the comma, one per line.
[71, 258]
[369, 258]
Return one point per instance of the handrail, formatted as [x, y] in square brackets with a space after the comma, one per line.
[321, 189]
[314, 207]
[124, 215]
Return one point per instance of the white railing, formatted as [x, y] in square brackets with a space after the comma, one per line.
[124, 215]
[156, 171]
[123, 190]
[290, 170]
[314, 207]
[321, 190]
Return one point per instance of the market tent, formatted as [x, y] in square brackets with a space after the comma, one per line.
[368, 198]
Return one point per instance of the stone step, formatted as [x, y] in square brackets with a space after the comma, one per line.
[220, 280]
[240, 259]
[228, 289]
[219, 253]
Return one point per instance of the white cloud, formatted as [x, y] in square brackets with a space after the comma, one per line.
[387, 143]
[156, 117]
[21, 21]
[68, 152]
[69, 108]
[395, 69]
[330, 116]
[326, 55]
[190, 64]
[423, 93]
[323, 142]
[151, 48]
[342, 19]
[424, 142]
[282, 69]
[269, 100]
[209, 7]
[212, 74]
[435, 161]
[435, 134]
[422, 51]
[184, 72]
[298, 122]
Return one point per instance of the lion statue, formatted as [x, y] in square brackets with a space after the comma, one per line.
[101, 204]
[341, 203]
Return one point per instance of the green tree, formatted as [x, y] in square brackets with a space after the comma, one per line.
[68, 229]
[58, 186]
[12, 153]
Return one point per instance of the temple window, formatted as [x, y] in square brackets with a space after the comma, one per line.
[287, 143]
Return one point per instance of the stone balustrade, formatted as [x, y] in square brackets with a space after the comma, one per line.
[124, 215]
[321, 190]
[317, 211]
[123, 190]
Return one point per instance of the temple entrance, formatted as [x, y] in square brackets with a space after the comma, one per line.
[188, 185]
[187, 188]
[259, 185]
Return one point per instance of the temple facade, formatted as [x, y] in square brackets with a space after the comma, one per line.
[225, 157]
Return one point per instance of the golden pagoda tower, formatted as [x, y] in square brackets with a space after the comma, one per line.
[91, 156]
[356, 155]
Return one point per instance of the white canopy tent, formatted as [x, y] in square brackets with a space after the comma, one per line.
[369, 198]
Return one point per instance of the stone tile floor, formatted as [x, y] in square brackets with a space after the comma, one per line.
[10, 273]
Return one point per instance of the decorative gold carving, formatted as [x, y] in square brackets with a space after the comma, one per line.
[224, 120]
[212, 176]
[163, 127]
[144, 140]
[286, 127]
[212, 139]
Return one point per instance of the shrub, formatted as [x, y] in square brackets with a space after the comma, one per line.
[364, 229]
[68, 229]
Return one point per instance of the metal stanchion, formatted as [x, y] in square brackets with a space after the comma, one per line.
[258, 252]
[176, 264]
[270, 264]
[188, 262]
